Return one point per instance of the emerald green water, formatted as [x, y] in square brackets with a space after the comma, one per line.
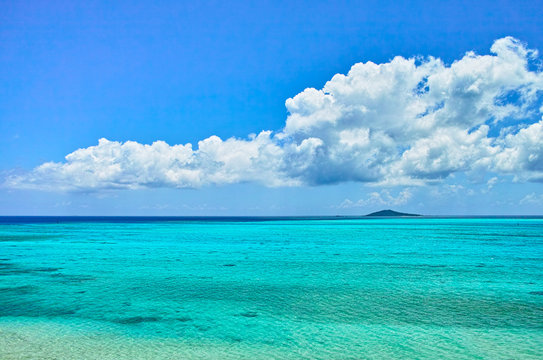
[278, 289]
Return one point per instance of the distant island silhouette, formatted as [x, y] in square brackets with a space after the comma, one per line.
[390, 213]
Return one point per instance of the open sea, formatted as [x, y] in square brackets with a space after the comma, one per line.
[271, 288]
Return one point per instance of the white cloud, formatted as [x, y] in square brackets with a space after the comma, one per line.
[447, 190]
[404, 122]
[379, 198]
[490, 184]
[522, 153]
[532, 198]
[130, 165]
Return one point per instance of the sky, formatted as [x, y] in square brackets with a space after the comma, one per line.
[271, 107]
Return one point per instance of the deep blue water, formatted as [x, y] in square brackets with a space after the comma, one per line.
[250, 288]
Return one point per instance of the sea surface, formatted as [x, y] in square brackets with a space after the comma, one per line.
[271, 288]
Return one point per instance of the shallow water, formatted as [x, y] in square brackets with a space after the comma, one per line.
[301, 289]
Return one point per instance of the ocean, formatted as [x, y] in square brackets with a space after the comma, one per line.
[271, 288]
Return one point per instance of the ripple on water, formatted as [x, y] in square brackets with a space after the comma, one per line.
[17, 290]
[137, 319]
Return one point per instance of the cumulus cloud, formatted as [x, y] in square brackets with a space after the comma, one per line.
[521, 153]
[130, 165]
[405, 122]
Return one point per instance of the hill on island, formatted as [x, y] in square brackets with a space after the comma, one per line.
[390, 213]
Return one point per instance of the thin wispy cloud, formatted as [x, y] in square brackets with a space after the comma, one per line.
[405, 122]
[532, 198]
[384, 197]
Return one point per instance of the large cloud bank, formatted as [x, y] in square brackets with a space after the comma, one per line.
[404, 122]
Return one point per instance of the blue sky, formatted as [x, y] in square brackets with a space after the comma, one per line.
[181, 72]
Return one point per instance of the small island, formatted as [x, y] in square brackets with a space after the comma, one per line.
[390, 213]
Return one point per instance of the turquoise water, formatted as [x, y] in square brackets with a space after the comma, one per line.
[278, 289]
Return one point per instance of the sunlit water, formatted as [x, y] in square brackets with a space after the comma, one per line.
[281, 289]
